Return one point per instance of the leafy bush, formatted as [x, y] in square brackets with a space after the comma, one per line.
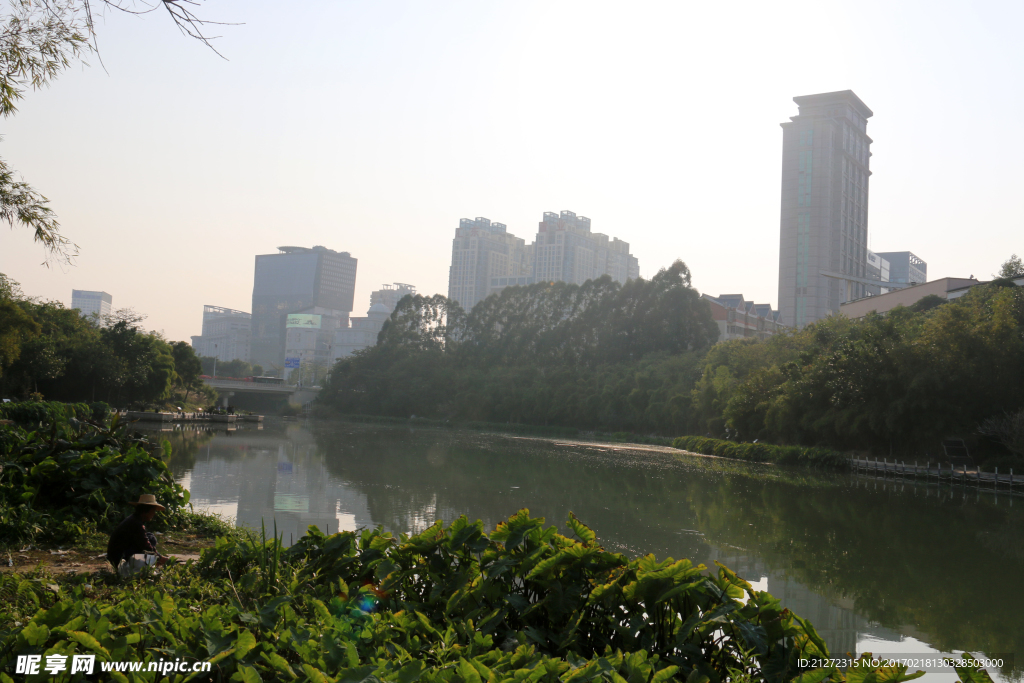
[762, 452]
[448, 605]
[59, 482]
[100, 411]
[45, 412]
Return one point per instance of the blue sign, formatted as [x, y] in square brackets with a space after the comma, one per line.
[292, 362]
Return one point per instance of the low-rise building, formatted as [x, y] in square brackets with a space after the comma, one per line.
[361, 333]
[390, 295]
[226, 334]
[738, 318]
[905, 267]
[945, 288]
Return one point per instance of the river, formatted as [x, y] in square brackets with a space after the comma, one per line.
[876, 566]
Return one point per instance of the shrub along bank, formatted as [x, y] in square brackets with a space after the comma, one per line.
[762, 452]
[450, 604]
[62, 477]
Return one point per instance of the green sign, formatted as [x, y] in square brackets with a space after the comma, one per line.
[303, 320]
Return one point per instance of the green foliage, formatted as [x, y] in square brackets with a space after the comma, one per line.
[231, 368]
[595, 356]
[763, 452]
[38, 41]
[1012, 267]
[447, 605]
[70, 477]
[45, 413]
[16, 330]
[902, 381]
[70, 358]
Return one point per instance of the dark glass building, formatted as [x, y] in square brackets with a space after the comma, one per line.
[297, 280]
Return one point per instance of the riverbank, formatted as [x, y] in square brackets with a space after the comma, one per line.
[793, 456]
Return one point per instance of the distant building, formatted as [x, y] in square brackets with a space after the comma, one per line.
[877, 269]
[565, 250]
[500, 283]
[738, 318]
[310, 337]
[91, 302]
[226, 334]
[483, 250]
[390, 295]
[823, 250]
[362, 332]
[946, 288]
[905, 267]
[317, 282]
[486, 258]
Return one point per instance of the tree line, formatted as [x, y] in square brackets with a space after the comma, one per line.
[642, 357]
[47, 350]
[600, 355]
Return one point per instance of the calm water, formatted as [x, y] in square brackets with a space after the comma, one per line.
[878, 567]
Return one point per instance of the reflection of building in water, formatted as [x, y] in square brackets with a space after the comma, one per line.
[839, 626]
[262, 479]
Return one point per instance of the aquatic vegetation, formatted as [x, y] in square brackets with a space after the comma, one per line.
[762, 452]
[448, 604]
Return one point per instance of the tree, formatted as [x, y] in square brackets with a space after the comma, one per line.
[38, 41]
[187, 367]
[36, 44]
[16, 329]
[1012, 267]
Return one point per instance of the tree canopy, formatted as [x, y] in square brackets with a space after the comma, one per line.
[598, 355]
[51, 350]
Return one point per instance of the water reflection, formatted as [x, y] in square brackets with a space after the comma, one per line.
[875, 566]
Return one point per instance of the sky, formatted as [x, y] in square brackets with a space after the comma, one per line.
[374, 127]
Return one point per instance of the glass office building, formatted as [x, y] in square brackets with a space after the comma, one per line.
[293, 281]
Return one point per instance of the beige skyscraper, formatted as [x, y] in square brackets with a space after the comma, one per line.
[483, 250]
[565, 250]
[823, 249]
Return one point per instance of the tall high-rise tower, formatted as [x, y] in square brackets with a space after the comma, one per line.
[824, 221]
[482, 250]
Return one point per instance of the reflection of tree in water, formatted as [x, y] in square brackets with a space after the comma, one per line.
[910, 562]
[185, 444]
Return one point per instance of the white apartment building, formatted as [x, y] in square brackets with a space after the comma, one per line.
[91, 302]
[226, 334]
[565, 250]
[483, 250]
[362, 332]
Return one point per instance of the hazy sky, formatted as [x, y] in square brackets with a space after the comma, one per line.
[373, 127]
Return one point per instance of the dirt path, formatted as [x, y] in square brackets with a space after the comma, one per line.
[92, 557]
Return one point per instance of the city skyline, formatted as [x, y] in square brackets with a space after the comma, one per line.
[374, 149]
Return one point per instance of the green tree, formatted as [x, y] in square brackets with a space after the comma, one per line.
[187, 367]
[598, 355]
[37, 42]
[39, 39]
[1012, 267]
[16, 329]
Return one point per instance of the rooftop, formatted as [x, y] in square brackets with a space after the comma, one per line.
[837, 97]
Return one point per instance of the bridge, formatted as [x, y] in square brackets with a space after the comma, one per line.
[227, 388]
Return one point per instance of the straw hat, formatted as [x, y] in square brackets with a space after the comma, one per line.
[148, 499]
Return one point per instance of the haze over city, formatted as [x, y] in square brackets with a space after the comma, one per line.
[373, 129]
